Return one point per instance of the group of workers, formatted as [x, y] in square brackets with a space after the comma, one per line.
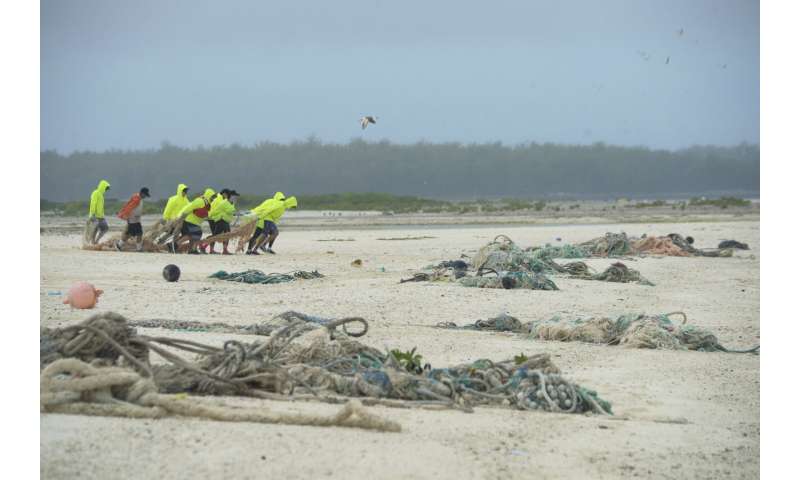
[218, 208]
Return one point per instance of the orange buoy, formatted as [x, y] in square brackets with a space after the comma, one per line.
[82, 295]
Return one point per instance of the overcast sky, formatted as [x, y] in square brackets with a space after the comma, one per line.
[135, 73]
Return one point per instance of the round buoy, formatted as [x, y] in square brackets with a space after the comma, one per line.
[171, 273]
[82, 295]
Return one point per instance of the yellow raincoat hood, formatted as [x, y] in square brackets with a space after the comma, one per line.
[175, 203]
[97, 200]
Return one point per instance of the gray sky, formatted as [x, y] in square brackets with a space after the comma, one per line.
[133, 74]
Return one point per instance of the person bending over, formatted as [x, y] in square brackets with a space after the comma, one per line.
[193, 215]
[221, 214]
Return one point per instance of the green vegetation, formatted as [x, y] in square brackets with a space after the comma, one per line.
[341, 201]
[420, 170]
[520, 359]
[657, 203]
[112, 206]
[409, 360]
[723, 202]
[384, 202]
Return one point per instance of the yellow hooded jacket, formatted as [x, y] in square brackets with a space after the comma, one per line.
[222, 209]
[199, 202]
[175, 204]
[97, 200]
[275, 214]
[267, 206]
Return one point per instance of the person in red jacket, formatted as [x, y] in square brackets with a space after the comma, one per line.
[131, 212]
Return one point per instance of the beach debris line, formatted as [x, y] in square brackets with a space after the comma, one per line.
[302, 360]
[635, 330]
[264, 328]
[422, 237]
[257, 276]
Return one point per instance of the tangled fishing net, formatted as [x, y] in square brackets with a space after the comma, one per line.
[503, 253]
[514, 267]
[257, 276]
[103, 367]
[630, 330]
[617, 272]
[511, 280]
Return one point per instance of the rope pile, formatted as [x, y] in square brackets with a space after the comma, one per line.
[294, 363]
[618, 272]
[511, 280]
[257, 276]
[630, 330]
[609, 245]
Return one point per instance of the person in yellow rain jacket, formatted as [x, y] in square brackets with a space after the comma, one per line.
[193, 214]
[271, 216]
[97, 211]
[175, 204]
[261, 211]
[221, 215]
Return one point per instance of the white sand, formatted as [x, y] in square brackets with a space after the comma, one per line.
[716, 393]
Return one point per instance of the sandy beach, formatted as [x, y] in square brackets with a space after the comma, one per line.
[678, 414]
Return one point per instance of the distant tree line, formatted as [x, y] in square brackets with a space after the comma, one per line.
[442, 171]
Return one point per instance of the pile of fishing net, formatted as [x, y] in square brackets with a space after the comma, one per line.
[510, 280]
[513, 267]
[676, 245]
[630, 330]
[609, 245]
[257, 276]
[103, 366]
[617, 272]
[504, 280]
[502, 254]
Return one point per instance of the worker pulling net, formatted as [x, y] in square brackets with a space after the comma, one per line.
[630, 330]
[301, 360]
[161, 235]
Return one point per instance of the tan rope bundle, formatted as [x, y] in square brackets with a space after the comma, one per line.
[241, 235]
[72, 386]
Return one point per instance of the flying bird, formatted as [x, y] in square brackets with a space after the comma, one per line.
[667, 62]
[366, 120]
[680, 32]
